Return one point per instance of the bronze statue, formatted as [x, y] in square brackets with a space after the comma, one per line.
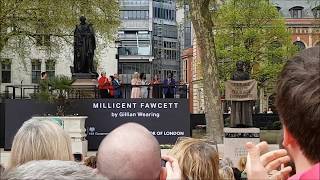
[84, 46]
[241, 111]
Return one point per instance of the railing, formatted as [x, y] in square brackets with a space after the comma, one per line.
[157, 91]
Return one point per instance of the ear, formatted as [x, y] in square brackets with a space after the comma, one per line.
[163, 173]
[288, 139]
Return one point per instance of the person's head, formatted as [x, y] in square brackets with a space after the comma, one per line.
[78, 157]
[142, 76]
[82, 19]
[44, 75]
[135, 75]
[103, 74]
[40, 140]
[171, 75]
[242, 163]
[156, 77]
[116, 76]
[226, 173]
[298, 105]
[240, 65]
[111, 78]
[52, 169]
[197, 159]
[91, 162]
[129, 152]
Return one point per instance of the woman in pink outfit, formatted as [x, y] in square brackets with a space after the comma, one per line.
[135, 82]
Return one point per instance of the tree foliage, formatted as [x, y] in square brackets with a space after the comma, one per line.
[20, 19]
[252, 31]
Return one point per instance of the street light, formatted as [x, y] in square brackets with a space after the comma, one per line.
[118, 45]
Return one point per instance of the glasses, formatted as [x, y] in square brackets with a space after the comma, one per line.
[212, 143]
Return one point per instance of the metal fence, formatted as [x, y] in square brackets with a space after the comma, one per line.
[92, 92]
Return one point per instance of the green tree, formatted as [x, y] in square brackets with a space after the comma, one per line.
[251, 30]
[255, 32]
[27, 20]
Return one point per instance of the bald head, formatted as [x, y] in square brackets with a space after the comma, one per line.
[129, 152]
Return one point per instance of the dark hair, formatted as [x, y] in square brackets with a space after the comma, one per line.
[112, 78]
[91, 162]
[298, 100]
[43, 73]
[78, 157]
[142, 76]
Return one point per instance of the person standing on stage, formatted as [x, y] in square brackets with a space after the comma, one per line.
[103, 85]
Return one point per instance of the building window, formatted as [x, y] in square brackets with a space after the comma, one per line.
[316, 12]
[296, 12]
[36, 70]
[50, 68]
[5, 71]
[42, 40]
[300, 45]
[134, 15]
[164, 13]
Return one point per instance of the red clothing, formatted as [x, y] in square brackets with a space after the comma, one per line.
[103, 83]
[311, 174]
[111, 90]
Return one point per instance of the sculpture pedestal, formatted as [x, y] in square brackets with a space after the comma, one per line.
[85, 85]
[75, 127]
[235, 139]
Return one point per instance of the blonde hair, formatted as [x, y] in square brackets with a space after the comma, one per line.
[40, 140]
[197, 159]
[226, 173]
[135, 75]
[242, 163]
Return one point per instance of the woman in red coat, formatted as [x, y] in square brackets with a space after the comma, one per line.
[103, 85]
[110, 87]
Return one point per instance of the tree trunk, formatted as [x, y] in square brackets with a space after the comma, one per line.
[201, 18]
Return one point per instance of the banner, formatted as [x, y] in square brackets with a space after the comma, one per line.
[241, 90]
[166, 119]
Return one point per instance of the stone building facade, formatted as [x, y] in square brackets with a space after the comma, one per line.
[24, 68]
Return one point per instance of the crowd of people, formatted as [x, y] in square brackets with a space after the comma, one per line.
[42, 150]
[111, 87]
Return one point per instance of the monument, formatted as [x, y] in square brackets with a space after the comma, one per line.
[241, 91]
[83, 70]
[84, 47]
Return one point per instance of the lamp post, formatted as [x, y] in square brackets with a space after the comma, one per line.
[118, 45]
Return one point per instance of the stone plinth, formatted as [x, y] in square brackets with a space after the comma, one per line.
[84, 76]
[235, 140]
[75, 127]
[82, 83]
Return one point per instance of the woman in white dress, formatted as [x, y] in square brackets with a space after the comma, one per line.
[144, 88]
[135, 82]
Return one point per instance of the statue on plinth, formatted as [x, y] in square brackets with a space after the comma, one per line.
[84, 47]
[241, 111]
